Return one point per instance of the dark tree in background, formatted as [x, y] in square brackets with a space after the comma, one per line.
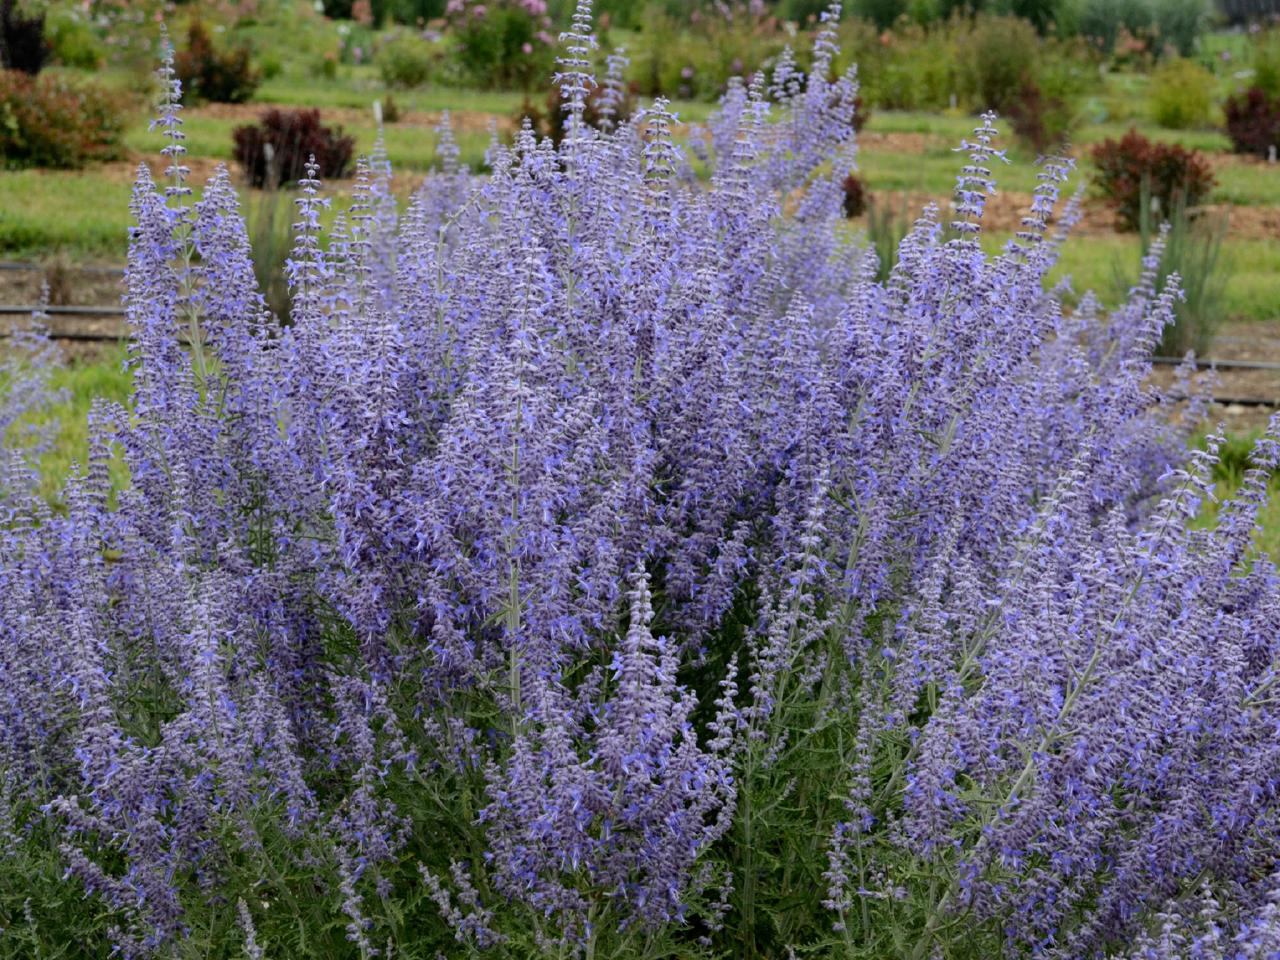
[22, 43]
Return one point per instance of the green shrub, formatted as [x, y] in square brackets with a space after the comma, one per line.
[1181, 94]
[887, 224]
[270, 65]
[410, 11]
[987, 61]
[1103, 22]
[269, 222]
[694, 60]
[883, 13]
[73, 42]
[409, 61]
[1178, 23]
[995, 60]
[48, 122]
[909, 68]
[324, 66]
[1192, 250]
[1044, 15]
[1003, 65]
[802, 11]
[1266, 62]
[504, 44]
[207, 73]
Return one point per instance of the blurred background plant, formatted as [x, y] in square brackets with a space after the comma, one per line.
[52, 121]
[23, 45]
[1139, 177]
[1181, 94]
[269, 216]
[276, 149]
[507, 44]
[1193, 250]
[208, 73]
[408, 60]
[887, 223]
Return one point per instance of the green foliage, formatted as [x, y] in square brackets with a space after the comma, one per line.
[269, 219]
[1177, 24]
[270, 65]
[408, 11]
[883, 13]
[1194, 251]
[1042, 14]
[1266, 62]
[47, 121]
[695, 60]
[409, 61]
[502, 45]
[995, 59]
[1048, 109]
[1104, 22]
[975, 63]
[1154, 25]
[802, 11]
[1181, 94]
[887, 224]
[910, 68]
[73, 41]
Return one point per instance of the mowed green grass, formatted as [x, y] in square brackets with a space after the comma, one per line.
[1107, 264]
[86, 213]
[74, 386]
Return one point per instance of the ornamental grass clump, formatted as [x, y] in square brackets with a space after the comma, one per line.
[603, 563]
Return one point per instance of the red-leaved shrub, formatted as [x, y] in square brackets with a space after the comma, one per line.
[1171, 172]
[293, 136]
[855, 196]
[47, 122]
[1253, 121]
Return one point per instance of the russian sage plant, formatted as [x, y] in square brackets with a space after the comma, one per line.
[604, 563]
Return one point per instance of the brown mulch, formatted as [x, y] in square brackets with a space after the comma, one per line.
[463, 120]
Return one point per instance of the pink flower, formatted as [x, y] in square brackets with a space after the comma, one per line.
[526, 48]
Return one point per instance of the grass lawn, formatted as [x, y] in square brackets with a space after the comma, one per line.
[74, 387]
[1108, 264]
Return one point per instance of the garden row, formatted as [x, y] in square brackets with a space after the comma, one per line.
[1045, 84]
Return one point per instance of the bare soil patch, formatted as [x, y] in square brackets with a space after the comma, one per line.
[464, 120]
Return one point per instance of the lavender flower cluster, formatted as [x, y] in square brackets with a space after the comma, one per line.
[601, 562]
